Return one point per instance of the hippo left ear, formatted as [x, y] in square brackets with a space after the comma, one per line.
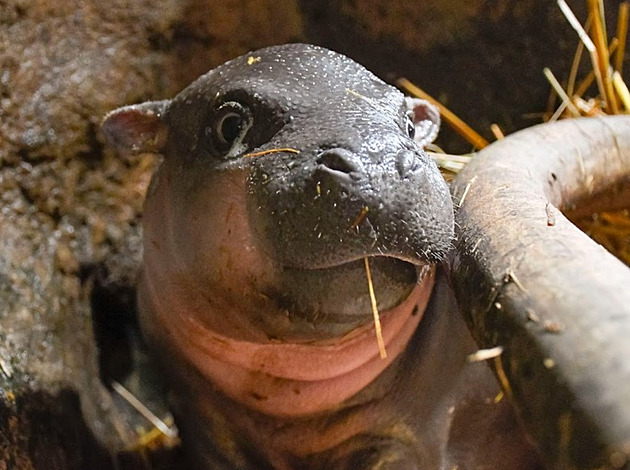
[425, 118]
[138, 128]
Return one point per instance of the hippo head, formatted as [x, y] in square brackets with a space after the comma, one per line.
[283, 169]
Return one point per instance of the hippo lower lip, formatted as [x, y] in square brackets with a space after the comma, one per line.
[340, 294]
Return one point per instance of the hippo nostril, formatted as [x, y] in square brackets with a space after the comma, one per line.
[406, 162]
[339, 159]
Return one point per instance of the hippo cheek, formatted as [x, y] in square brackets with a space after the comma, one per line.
[211, 235]
[200, 250]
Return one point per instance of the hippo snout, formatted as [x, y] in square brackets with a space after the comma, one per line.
[343, 163]
[324, 211]
[337, 206]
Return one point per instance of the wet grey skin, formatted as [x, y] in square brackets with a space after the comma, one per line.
[353, 183]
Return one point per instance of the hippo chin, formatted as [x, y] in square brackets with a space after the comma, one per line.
[284, 170]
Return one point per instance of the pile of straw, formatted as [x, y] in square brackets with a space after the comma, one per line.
[610, 96]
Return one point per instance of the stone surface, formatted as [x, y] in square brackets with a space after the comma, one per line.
[66, 207]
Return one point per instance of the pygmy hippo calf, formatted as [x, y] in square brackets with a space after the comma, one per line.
[284, 171]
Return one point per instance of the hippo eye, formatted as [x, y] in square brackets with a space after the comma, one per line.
[230, 122]
[411, 129]
[230, 127]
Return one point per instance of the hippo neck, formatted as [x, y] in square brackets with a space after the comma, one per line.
[284, 379]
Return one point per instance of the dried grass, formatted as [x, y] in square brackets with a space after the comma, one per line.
[610, 229]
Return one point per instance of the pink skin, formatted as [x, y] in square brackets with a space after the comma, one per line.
[289, 379]
[188, 300]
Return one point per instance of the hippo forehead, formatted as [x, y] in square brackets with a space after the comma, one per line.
[298, 76]
[303, 87]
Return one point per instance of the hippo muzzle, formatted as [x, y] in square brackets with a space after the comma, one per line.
[371, 193]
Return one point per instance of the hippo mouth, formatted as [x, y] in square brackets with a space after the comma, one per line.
[338, 296]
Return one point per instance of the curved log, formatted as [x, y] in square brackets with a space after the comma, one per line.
[530, 281]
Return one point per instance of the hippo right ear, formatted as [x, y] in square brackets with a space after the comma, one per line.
[138, 128]
[426, 120]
